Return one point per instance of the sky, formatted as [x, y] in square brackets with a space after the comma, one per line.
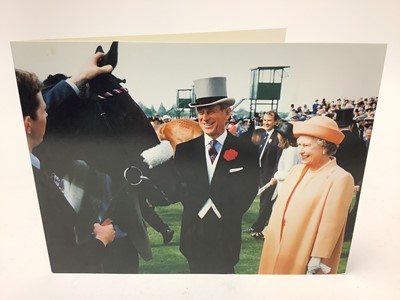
[155, 71]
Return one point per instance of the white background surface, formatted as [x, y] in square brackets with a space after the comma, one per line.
[373, 265]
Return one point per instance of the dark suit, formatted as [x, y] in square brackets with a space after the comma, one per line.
[212, 245]
[351, 156]
[269, 163]
[59, 219]
[63, 107]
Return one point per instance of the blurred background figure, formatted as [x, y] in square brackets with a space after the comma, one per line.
[289, 157]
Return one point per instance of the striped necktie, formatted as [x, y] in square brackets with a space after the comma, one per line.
[212, 151]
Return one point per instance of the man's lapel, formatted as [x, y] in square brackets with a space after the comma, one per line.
[198, 154]
[222, 163]
[267, 146]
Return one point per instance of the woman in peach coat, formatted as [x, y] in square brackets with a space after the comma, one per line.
[305, 232]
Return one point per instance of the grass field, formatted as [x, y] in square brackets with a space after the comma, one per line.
[168, 259]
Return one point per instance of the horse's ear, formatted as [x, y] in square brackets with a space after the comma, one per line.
[106, 81]
[113, 54]
[99, 49]
[111, 58]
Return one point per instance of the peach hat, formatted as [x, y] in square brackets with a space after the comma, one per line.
[321, 127]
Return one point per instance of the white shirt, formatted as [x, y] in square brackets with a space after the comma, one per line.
[210, 169]
[35, 161]
[73, 85]
[218, 147]
[270, 132]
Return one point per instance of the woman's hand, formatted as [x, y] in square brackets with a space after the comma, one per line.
[313, 265]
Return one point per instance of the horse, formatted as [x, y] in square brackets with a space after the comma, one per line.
[178, 131]
[106, 137]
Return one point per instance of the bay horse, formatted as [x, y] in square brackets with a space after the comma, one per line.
[178, 131]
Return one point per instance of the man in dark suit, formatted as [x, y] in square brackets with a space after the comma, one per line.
[269, 155]
[58, 214]
[351, 156]
[219, 182]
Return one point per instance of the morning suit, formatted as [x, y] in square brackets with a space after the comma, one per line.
[268, 160]
[59, 220]
[212, 244]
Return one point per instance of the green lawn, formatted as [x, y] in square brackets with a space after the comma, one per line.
[168, 259]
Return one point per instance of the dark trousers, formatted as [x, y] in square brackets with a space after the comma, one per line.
[351, 220]
[210, 251]
[209, 267]
[265, 210]
[121, 257]
[151, 217]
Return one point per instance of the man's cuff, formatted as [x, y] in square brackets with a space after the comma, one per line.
[73, 85]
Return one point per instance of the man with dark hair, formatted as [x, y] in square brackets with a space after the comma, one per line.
[269, 154]
[58, 215]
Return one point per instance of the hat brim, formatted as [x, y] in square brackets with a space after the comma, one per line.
[329, 134]
[229, 101]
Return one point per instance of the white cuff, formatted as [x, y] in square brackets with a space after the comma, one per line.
[73, 85]
[158, 154]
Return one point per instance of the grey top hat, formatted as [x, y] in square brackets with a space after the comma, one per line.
[211, 91]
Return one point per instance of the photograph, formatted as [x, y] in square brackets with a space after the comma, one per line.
[198, 158]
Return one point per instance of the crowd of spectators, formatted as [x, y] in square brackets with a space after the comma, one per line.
[364, 113]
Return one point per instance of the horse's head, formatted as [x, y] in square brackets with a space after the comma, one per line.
[107, 129]
[114, 128]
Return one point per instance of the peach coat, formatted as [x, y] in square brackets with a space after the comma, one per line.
[308, 219]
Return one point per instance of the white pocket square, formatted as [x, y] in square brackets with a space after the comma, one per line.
[235, 170]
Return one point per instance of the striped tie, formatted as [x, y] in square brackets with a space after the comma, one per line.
[212, 151]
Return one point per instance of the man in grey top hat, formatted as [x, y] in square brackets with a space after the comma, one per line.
[219, 182]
